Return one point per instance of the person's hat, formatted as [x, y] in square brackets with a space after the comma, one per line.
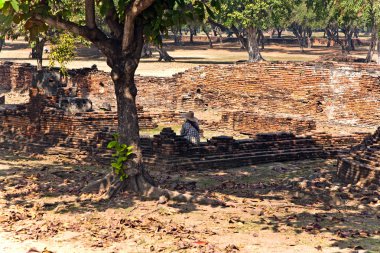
[190, 116]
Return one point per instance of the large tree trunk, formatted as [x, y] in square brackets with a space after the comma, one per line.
[253, 47]
[372, 44]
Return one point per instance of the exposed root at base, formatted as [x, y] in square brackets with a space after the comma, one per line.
[108, 186]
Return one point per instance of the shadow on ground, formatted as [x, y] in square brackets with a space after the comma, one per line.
[301, 197]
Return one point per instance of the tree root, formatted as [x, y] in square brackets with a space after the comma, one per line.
[109, 185]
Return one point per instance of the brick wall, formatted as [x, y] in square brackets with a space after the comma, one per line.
[253, 123]
[332, 93]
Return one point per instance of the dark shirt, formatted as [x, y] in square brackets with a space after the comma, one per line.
[190, 130]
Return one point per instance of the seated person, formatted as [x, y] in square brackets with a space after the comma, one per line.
[190, 129]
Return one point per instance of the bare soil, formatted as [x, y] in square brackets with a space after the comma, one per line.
[278, 207]
[186, 56]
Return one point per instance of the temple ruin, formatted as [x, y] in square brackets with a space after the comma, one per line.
[252, 113]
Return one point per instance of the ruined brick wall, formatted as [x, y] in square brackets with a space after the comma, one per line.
[15, 76]
[337, 93]
[252, 123]
[324, 92]
[52, 128]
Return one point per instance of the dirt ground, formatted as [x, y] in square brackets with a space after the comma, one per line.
[278, 207]
[186, 56]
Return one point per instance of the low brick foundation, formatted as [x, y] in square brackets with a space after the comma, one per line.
[362, 164]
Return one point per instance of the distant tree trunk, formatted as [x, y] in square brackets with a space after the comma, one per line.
[37, 51]
[329, 37]
[208, 36]
[239, 35]
[279, 32]
[372, 44]
[260, 38]
[177, 35]
[356, 33]
[348, 43]
[299, 32]
[192, 33]
[309, 33]
[272, 32]
[164, 54]
[2, 42]
[219, 32]
[253, 47]
[146, 51]
[332, 31]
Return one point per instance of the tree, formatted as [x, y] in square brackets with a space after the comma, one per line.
[280, 19]
[371, 17]
[344, 15]
[128, 23]
[252, 16]
[302, 22]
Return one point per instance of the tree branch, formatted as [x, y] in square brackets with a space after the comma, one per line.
[59, 23]
[113, 22]
[90, 14]
[132, 11]
[140, 6]
[96, 36]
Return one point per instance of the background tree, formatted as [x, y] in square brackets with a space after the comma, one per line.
[128, 22]
[303, 21]
[344, 15]
[371, 17]
[279, 20]
[253, 17]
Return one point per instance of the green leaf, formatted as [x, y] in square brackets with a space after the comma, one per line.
[116, 165]
[112, 144]
[15, 5]
[2, 2]
[121, 159]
